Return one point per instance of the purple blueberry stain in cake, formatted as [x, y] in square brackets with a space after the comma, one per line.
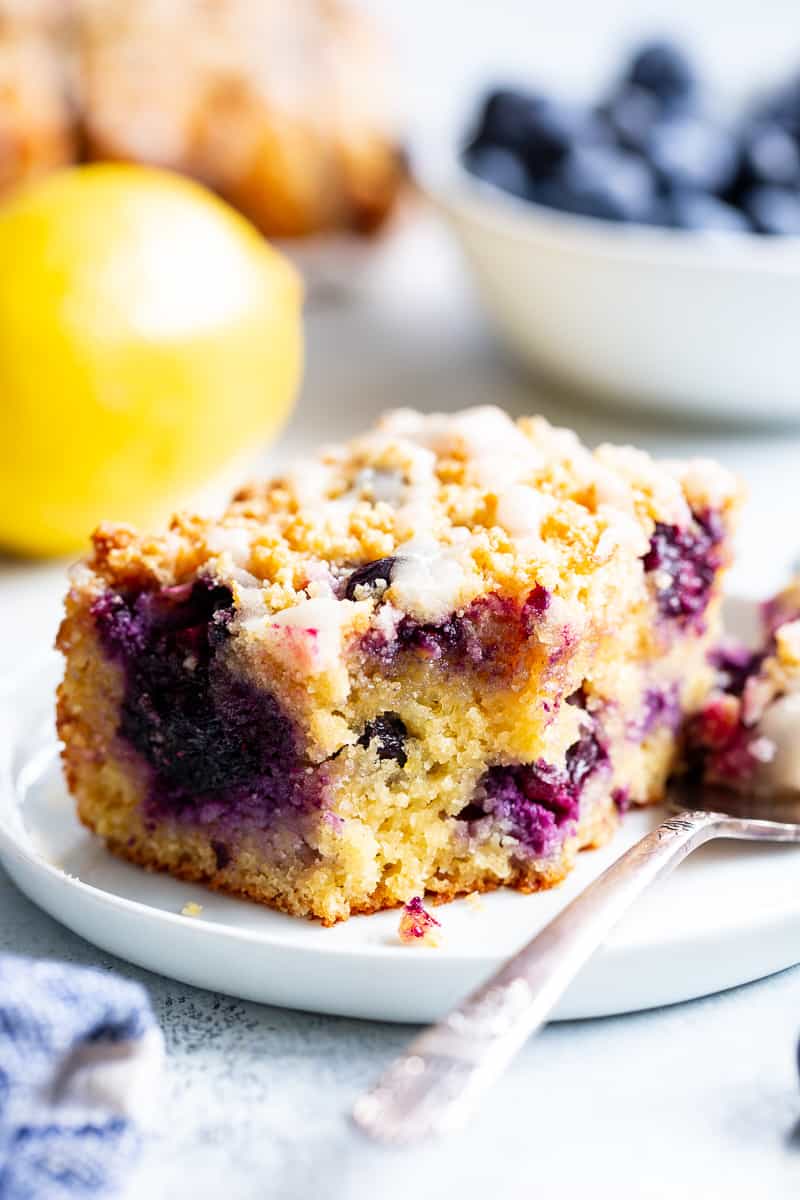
[735, 664]
[725, 744]
[584, 757]
[333, 820]
[371, 578]
[719, 745]
[388, 733]
[684, 562]
[476, 635]
[621, 798]
[563, 646]
[488, 630]
[221, 752]
[538, 803]
[536, 605]
[452, 638]
[222, 855]
[660, 709]
[533, 801]
[122, 630]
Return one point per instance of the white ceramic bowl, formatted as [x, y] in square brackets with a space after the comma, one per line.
[658, 319]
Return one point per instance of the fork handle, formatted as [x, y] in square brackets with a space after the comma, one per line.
[439, 1079]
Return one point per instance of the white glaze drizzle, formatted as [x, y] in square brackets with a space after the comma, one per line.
[428, 579]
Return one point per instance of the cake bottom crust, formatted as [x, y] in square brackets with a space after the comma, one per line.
[189, 855]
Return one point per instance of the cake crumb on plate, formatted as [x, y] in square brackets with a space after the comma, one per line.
[191, 909]
[417, 926]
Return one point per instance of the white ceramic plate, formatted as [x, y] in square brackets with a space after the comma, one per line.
[730, 914]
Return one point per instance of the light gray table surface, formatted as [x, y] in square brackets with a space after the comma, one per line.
[697, 1100]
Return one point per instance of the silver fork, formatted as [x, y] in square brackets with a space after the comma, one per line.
[435, 1085]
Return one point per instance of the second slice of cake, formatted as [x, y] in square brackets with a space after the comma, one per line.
[438, 658]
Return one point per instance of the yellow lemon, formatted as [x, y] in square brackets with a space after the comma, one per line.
[148, 335]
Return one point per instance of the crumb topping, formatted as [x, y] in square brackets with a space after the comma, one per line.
[461, 505]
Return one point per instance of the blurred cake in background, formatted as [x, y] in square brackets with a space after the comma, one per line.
[38, 128]
[278, 107]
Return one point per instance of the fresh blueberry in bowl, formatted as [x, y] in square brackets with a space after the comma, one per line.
[688, 151]
[782, 105]
[630, 115]
[500, 166]
[770, 155]
[774, 210]
[504, 118]
[649, 153]
[638, 264]
[555, 130]
[662, 68]
[600, 181]
[688, 209]
[538, 128]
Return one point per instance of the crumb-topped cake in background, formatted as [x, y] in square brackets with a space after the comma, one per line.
[438, 659]
[280, 108]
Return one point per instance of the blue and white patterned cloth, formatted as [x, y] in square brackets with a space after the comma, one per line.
[80, 1054]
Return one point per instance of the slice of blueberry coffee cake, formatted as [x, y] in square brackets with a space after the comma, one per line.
[747, 734]
[438, 659]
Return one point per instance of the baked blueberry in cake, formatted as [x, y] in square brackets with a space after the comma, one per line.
[436, 660]
[747, 734]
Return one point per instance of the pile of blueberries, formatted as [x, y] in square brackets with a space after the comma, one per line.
[650, 152]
